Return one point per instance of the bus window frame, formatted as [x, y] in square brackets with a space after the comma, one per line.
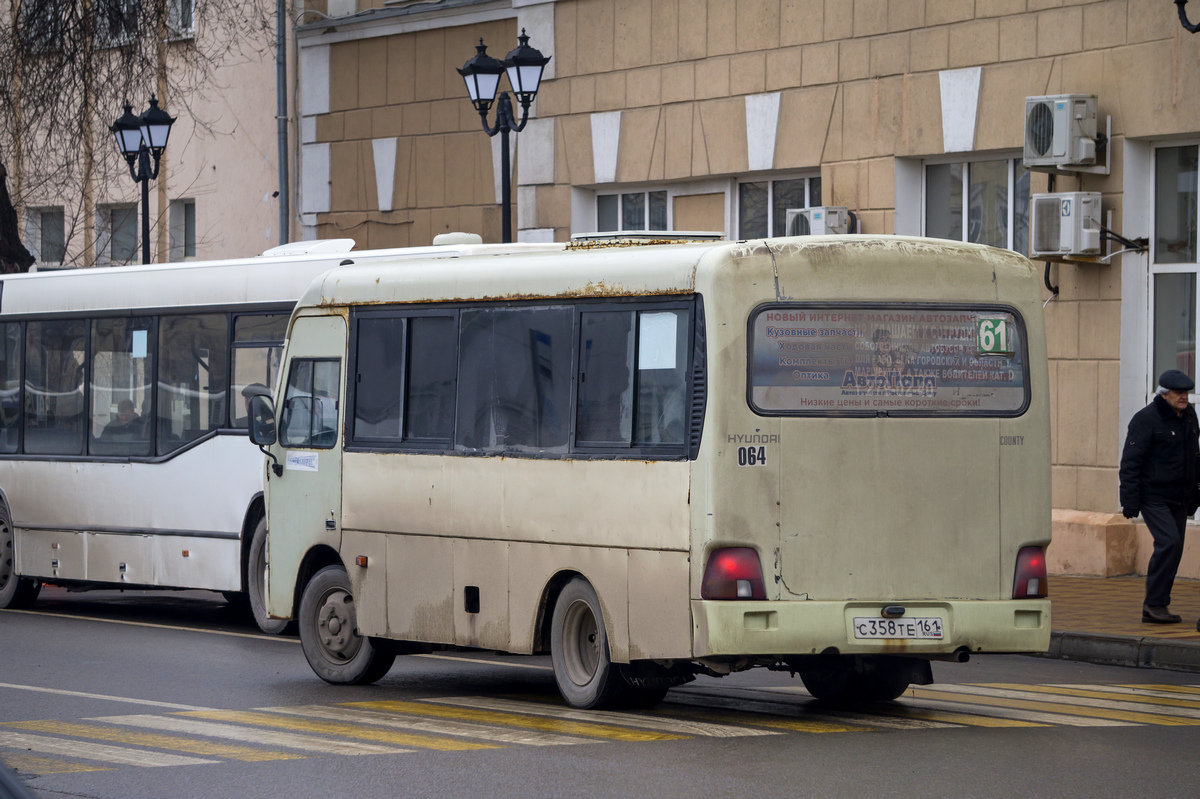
[876, 305]
[683, 451]
[156, 313]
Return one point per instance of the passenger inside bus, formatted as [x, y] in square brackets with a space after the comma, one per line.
[127, 426]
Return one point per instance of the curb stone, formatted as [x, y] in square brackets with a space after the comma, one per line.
[1125, 650]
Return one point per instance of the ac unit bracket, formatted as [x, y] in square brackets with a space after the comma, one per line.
[1107, 237]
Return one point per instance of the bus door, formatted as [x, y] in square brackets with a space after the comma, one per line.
[305, 500]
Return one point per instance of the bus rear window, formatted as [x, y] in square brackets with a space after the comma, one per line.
[869, 360]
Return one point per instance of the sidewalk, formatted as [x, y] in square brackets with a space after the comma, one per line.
[1099, 619]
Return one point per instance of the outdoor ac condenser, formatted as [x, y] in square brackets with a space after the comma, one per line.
[1066, 223]
[1060, 130]
[817, 221]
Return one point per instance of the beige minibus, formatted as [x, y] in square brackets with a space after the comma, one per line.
[822, 455]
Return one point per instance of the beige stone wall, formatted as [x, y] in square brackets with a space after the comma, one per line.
[859, 85]
[405, 87]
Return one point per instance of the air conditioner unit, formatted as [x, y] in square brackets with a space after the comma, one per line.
[818, 221]
[1066, 223]
[1060, 130]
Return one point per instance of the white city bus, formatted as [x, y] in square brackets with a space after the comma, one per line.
[123, 454]
[824, 455]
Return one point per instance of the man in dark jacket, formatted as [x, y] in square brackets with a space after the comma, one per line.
[1159, 479]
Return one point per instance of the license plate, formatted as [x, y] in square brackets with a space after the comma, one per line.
[898, 628]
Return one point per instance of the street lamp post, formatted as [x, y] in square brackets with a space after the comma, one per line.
[139, 138]
[482, 73]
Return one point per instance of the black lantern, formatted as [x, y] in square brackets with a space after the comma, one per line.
[138, 139]
[482, 76]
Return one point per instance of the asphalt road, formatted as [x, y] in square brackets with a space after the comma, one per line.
[177, 695]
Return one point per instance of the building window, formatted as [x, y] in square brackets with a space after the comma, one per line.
[763, 205]
[1174, 259]
[116, 21]
[641, 210]
[45, 235]
[182, 220]
[122, 234]
[41, 25]
[180, 18]
[992, 196]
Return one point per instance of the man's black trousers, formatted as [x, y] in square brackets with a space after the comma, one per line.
[1166, 523]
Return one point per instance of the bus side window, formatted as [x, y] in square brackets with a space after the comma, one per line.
[54, 372]
[193, 376]
[10, 386]
[662, 377]
[257, 347]
[122, 375]
[605, 403]
[308, 417]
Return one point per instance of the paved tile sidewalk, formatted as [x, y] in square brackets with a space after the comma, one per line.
[1113, 606]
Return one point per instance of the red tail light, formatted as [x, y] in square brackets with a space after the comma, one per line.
[733, 573]
[1030, 581]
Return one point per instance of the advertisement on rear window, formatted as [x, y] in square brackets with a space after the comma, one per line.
[868, 360]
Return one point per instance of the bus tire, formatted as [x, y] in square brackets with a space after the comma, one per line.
[329, 635]
[836, 686]
[256, 584]
[586, 676]
[15, 591]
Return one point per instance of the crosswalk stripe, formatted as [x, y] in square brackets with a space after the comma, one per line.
[32, 764]
[444, 726]
[869, 719]
[517, 720]
[1133, 690]
[1178, 707]
[189, 745]
[85, 750]
[254, 735]
[903, 710]
[659, 723]
[1091, 698]
[1046, 719]
[806, 724]
[330, 728]
[987, 696]
[1174, 689]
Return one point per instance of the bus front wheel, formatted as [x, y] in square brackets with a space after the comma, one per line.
[256, 583]
[328, 634]
[586, 676]
[15, 591]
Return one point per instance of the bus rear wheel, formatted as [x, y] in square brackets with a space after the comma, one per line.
[586, 676]
[329, 635]
[256, 584]
[15, 591]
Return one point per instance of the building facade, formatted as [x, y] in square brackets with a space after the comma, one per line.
[720, 115]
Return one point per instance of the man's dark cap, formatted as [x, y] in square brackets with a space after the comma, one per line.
[1176, 380]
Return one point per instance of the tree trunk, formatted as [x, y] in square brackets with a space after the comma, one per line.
[13, 255]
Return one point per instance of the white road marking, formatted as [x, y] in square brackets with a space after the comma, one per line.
[257, 636]
[1064, 699]
[253, 735]
[1132, 691]
[81, 694]
[656, 723]
[1057, 719]
[439, 726]
[92, 751]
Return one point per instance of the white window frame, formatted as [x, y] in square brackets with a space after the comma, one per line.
[727, 187]
[1010, 157]
[105, 37]
[770, 179]
[1154, 269]
[175, 27]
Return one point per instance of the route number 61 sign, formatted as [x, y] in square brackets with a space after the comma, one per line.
[993, 338]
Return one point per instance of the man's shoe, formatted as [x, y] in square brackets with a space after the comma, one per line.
[1160, 615]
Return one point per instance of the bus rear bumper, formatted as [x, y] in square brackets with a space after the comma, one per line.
[756, 628]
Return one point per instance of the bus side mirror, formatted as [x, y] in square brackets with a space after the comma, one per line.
[262, 421]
